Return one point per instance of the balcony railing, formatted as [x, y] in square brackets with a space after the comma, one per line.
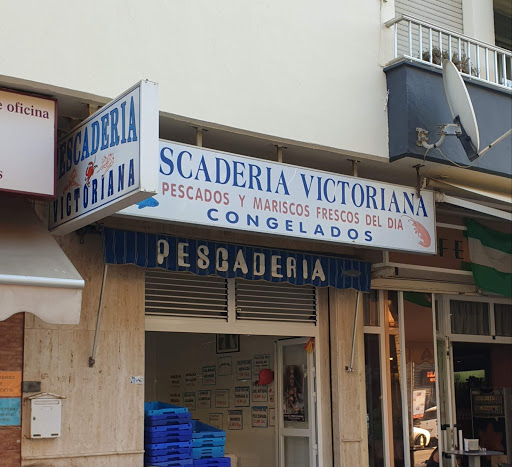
[427, 43]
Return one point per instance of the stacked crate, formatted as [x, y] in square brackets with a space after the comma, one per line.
[208, 446]
[167, 435]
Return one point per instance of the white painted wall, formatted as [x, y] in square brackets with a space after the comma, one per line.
[297, 70]
[179, 353]
[479, 19]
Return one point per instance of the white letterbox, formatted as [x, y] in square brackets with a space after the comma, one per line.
[44, 413]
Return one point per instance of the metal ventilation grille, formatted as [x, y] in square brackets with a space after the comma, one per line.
[265, 301]
[186, 295]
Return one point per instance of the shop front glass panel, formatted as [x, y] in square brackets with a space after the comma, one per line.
[420, 376]
[371, 308]
[296, 450]
[373, 399]
[297, 411]
[395, 377]
[295, 387]
[503, 319]
[471, 318]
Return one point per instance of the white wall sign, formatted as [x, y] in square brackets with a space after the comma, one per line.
[190, 379]
[418, 403]
[235, 420]
[222, 398]
[175, 380]
[216, 420]
[109, 161]
[243, 370]
[259, 393]
[175, 398]
[189, 400]
[209, 375]
[200, 186]
[260, 362]
[259, 417]
[242, 396]
[28, 127]
[204, 399]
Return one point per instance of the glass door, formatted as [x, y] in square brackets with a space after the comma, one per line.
[443, 378]
[296, 404]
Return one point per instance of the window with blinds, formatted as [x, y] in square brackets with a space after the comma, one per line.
[266, 301]
[183, 294]
[186, 295]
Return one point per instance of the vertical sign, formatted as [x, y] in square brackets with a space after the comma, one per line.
[108, 162]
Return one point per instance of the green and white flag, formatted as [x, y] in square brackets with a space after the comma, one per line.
[491, 258]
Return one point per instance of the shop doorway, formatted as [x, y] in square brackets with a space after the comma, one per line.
[474, 357]
[259, 389]
[482, 386]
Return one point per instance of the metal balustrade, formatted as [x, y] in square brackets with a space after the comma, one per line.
[424, 42]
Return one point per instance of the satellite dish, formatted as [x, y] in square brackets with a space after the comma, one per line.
[461, 108]
[464, 124]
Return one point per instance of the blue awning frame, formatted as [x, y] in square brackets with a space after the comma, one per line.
[230, 260]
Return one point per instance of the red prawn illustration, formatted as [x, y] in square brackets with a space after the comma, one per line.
[421, 232]
[89, 172]
[106, 163]
[73, 181]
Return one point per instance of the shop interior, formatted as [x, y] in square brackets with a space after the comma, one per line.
[229, 381]
[483, 395]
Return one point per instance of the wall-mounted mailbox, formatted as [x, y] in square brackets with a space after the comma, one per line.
[45, 415]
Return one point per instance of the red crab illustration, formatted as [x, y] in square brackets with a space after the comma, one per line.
[421, 232]
[89, 172]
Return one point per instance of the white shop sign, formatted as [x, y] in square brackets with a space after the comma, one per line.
[27, 143]
[200, 186]
[109, 161]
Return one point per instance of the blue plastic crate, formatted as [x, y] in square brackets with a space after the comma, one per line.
[167, 420]
[161, 408]
[165, 416]
[151, 453]
[166, 457]
[175, 445]
[208, 442]
[218, 462]
[180, 463]
[202, 430]
[201, 453]
[183, 427]
[158, 437]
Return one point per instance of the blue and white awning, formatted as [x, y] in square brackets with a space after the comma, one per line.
[234, 261]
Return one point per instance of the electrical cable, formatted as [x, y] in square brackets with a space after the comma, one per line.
[455, 163]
